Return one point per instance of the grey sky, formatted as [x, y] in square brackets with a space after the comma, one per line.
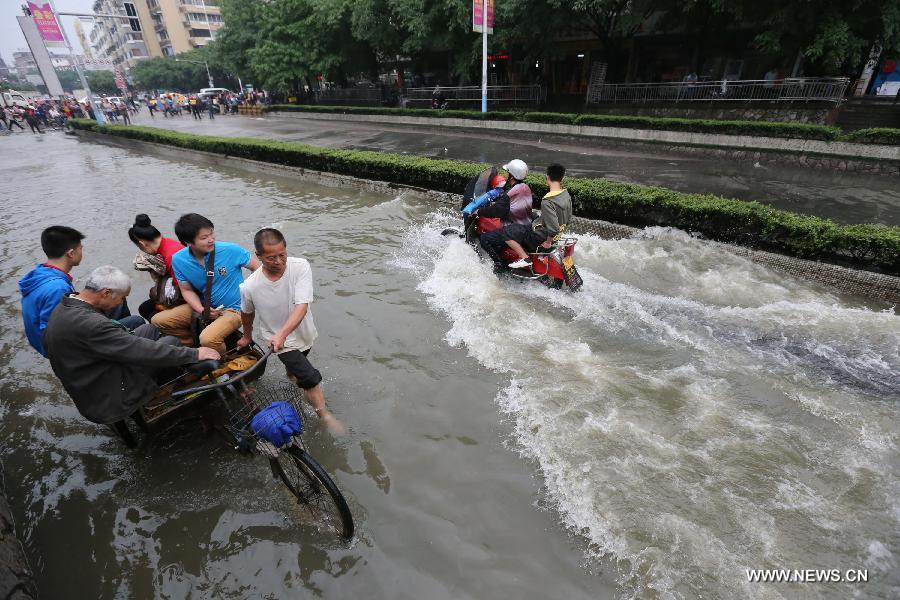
[11, 38]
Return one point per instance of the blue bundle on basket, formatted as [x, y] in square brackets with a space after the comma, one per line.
[277, 423]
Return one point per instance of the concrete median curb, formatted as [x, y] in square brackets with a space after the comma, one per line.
[866, 284]
[845, 156]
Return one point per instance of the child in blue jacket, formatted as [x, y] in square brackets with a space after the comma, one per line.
[45, 285]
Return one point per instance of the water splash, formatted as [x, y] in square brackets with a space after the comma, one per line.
[694, 414]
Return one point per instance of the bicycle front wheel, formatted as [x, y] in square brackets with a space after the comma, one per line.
[314, 489]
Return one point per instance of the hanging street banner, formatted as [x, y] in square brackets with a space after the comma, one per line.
[120, 80]
[47, 25]
[41, 56]
[478, 15]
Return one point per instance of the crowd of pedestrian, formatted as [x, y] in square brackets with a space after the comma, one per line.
[40, 115]
[174, 104]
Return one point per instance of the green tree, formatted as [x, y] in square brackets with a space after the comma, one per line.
[20, 85]
[831, 35]
[441, 28]
[184, 72]
[102, 82]
[233, 44]
[68, 79]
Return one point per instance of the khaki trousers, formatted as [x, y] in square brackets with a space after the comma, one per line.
[177, 321]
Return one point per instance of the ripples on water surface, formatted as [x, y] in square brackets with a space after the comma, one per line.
[694, 414]
[187, 517]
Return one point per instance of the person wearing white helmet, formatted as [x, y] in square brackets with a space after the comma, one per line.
[514, 204]
[556, 212]
[513, 207]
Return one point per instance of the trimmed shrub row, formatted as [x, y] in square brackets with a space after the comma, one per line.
[870, 247]
[803, 131]
[875, 135]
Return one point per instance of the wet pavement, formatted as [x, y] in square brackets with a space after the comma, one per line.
[841, 196]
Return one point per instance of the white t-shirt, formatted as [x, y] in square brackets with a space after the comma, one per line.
[273, 302]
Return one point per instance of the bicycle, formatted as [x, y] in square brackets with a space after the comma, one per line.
[255, 422]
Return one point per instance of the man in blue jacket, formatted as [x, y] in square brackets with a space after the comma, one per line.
[45, 285]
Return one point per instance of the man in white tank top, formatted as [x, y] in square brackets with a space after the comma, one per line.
[277, 298]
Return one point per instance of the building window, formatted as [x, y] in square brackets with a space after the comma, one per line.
[203, 18]
[200, 33]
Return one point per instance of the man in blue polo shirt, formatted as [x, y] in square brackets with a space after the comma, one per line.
[190, 266]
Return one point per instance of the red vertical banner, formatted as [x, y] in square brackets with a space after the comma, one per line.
[46, 24]
[478, 15]
[120, 80]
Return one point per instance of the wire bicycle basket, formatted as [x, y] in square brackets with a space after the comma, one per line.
[266, 418]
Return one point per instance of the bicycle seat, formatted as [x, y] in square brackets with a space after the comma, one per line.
[204, 367]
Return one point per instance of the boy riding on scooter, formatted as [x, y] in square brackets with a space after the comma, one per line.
[556, 212]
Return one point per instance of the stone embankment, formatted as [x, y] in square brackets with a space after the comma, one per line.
[16, 580]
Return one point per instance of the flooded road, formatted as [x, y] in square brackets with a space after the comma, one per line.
[689, 416]
[841, 196]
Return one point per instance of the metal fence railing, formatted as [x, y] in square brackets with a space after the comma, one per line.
[830, 89]
[359, 95]
[514, 95]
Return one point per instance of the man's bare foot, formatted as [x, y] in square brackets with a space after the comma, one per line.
[331, 422]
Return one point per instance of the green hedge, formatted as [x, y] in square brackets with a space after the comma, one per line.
[871, 247]
[875, 135]
[757, 128]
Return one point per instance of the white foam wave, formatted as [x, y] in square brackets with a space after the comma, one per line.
[693, 414]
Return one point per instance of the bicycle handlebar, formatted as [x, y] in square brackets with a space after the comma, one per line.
[214, 386]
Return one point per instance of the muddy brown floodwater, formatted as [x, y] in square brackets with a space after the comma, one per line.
[688, 416]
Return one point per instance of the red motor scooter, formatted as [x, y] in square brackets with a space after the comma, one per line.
[554, 266]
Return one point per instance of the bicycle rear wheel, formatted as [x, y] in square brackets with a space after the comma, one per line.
[305, 478]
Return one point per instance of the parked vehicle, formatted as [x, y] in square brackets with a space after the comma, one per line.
[12, 98]
[215, 91]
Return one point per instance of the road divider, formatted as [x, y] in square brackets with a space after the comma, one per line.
[868, 247]
[802, 131]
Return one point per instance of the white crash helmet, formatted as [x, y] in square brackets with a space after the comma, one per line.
[517, 168]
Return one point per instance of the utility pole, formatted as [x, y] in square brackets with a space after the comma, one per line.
[484, 55]
[98, 113]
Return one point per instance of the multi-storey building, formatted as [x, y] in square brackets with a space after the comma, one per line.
[82, 39]
[4, 70]
[181, 25]
[115, 38]
[168, 27]
[27, 68]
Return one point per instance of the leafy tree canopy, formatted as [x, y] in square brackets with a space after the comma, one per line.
[283, 43]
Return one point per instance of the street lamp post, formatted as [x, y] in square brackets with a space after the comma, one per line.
[200, 62]
[98, 112]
